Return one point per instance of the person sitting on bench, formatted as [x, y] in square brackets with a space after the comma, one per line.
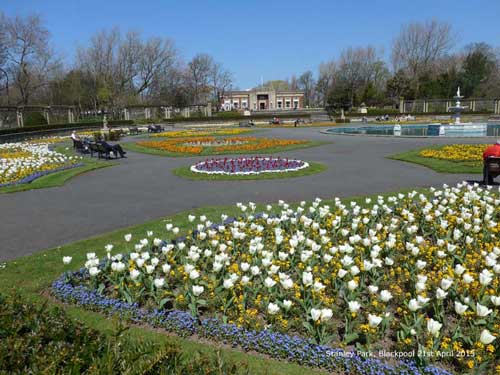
[116, 148]
[492, 151]
[75, 138]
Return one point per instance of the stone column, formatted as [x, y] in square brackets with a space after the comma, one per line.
[497, 107]
[126, 114]
[401, 105]
[209, 110]
[473, 105]
[47, 115]
[71, 118]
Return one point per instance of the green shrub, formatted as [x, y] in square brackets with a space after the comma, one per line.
[79, 125]
[34, 118]
[38, 340]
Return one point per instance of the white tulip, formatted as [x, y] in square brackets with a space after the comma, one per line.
[67, 260]
[441, 294]
[385, 295]
[495, 300]
[482, 311]
[460, 308]
[413, 305]
[159, 283]
[374, 320]
[128, 237]
[315, 314]
[228, 283]
[194, 274]
[467, 278]
[134, 274]
[94, 271]
[307, 278]
[354, 306]
[446, 284]
[486, 337]
[352, 285]
[485, 277]
[197, 290]
[373, 289]
[326, 314]
[273, 308]
[268, 282]
[433, 327]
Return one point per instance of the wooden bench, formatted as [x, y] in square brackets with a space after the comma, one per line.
[133, 130]
[78, 145]
[155, 129]
[491, 169]
[101, 151]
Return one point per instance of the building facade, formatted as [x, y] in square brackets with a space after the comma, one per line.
[262, 100]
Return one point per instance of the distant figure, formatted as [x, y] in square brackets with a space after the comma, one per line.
[117, 149]
[491, 152]
[75, 136]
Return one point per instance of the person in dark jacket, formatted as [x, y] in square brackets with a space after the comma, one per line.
[117, 149]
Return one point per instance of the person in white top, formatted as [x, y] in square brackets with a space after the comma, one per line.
[74, 136]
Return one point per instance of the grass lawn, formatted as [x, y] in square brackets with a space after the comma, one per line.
[207, 152]
[439, 165]
[59, 178]
[31, 275]
[312, 169]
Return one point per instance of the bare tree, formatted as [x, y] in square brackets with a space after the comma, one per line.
[4, 76]
[199, 75]
[156, 57]
[326, 76]
[419, 46]
[30, 59]
[220, 80]
[306, 83]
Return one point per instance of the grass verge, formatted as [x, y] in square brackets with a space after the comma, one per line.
[439, 165]
[312, 169]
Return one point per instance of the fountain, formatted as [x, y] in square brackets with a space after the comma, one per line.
[457, 128]
[458, 108]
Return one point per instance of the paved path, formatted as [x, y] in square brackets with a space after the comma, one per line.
[142, 188]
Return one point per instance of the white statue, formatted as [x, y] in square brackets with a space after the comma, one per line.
[105, 123]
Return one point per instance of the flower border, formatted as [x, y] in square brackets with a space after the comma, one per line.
[276, 345]
[34, 176]
[303, 166]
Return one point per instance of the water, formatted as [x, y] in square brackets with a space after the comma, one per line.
[420, 130]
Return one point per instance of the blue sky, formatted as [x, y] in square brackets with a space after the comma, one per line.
[254, 38]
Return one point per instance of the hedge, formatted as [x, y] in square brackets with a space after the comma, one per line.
[381, 112]
[217, 118]
[28, 129]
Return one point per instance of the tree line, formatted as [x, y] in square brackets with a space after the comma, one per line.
[116, 69]
[424, 63]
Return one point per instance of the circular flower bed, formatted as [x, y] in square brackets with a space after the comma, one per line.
[247, 166]
[412, 274]
[22, 162]
[473, 153]
[217, 142]
[200, 133]
[208, 145]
